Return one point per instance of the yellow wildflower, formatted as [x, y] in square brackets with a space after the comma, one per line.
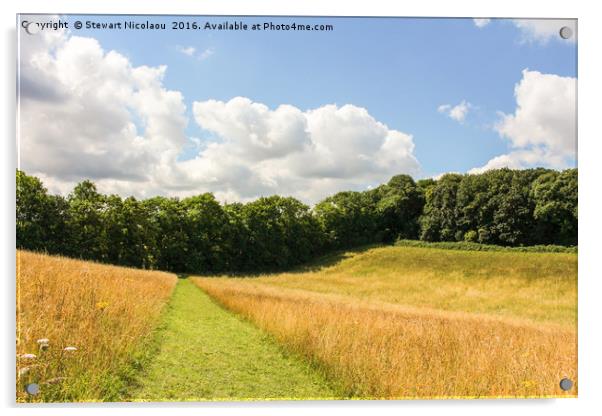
[102, 305]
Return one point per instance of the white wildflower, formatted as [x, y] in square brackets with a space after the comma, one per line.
[29, 356]
[43, 341]
[69, 349]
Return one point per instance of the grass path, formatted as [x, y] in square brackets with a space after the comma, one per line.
[207, 353]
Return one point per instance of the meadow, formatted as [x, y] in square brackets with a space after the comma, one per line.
[208, 353]
[379, 322]
[540, 287]
[84, 329]
[412, 322]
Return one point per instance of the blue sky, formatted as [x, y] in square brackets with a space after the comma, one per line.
[401, 70]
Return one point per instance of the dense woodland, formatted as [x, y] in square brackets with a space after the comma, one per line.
[200, 235]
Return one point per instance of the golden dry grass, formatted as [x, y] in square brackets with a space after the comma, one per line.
[541, 287]
[370, 326]
[106, 312]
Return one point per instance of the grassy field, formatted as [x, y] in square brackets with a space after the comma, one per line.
[540, 287]
[380, 322]
[405, 322]
[105, 313]
[207, 353]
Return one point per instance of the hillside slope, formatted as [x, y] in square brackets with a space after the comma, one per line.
[541, 287]
[401, 322]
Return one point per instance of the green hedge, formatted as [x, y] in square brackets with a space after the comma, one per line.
[486, 247]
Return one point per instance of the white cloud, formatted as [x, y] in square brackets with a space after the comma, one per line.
[480, 23]
[544, 30]
[542, 130]
[538, 30]
[306, 154]
[192, 52]
[188, 50]
[98, 116]
[89, 113]
[457, 112]
[206, 53]
[442, 174]
[252, 129]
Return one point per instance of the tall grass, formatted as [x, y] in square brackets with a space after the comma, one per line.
[389, 352]
[540, 287]
[405, 322]
[104, 313]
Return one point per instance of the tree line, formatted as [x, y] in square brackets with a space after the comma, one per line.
[199, 235]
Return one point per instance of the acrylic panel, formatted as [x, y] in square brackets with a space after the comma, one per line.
[232, 208]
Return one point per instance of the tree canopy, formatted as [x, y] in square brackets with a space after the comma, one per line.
[199, 235]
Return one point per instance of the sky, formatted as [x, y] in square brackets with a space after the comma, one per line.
[253, 113]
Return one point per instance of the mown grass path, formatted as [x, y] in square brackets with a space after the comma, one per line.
[207, 353]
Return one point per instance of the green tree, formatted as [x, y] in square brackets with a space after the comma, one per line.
[282, 232]
[349, 219]
[400, 203]
[32, 213]
[167, 221]
[199, 235]
[129, 231]
[556, 213]
[205, 223]
[439, 220]
[85, 223]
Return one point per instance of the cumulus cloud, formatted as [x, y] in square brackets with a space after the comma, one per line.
[89, 113]
[542, 129]
[98, 117]
[480, 23]
[456, 112]
[545, 30]
[285, 150]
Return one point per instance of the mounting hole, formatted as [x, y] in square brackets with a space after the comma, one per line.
[32, 388]
[566, 384]
[32, 28]
[566, 32]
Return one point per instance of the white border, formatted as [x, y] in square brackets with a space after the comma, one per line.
[590, 278]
